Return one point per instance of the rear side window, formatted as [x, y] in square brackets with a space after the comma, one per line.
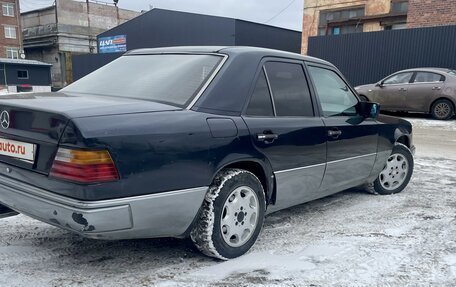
[260, 103]
[335, 96]
[425, 77]
[290, 91]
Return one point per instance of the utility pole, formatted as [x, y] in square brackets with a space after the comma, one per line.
[88, 27]
[117, 11]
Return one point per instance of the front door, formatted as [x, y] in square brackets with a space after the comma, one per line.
[281, 121]
[391, 94]
[351, 139]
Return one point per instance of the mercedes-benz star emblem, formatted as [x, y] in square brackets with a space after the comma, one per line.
[4, 120]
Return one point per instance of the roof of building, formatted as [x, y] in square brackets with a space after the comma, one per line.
[160, 10]
[38, 10]
[23, 62]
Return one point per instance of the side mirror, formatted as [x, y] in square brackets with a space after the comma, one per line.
[379, 84]
[368, 109]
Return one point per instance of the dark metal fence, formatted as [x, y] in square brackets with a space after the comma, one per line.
[86, 64]
[367, 57]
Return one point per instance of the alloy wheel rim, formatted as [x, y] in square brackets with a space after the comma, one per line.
[442, 110]
[395, 172]
[239, 217]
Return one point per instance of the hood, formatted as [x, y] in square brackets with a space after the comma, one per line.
[365, 87]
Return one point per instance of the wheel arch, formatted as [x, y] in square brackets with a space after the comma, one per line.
[403, 136]
[404, 139]
[363, 97]
[259, 168]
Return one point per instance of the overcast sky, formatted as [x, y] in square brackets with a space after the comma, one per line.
[282, 13]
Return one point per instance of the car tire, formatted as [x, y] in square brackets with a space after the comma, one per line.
[442, 110]
[232, 215]
[396, 174]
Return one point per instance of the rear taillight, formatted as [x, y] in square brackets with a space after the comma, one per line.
[84, 166]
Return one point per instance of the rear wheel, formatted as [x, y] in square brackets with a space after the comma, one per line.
[396, 174]
[442, 109]
[232, 215]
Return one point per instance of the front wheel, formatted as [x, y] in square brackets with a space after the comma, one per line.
[396, 174]
[232, 215]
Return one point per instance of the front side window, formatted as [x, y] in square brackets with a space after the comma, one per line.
[260, 102]
[335, 96]
[168, 78]
[401, 78]
[12, 53]
[425, 77]
[10, 32]
[289, 88]
[8, 9]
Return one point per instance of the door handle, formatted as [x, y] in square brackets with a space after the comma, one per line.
[436, 88]
[334, 133]
[266, 137]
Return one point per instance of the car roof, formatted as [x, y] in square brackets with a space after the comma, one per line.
[427, 69]
[264, 52]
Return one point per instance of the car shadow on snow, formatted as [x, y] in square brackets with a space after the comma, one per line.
[412, 115]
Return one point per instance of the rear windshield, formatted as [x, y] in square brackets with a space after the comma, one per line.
[171, 79]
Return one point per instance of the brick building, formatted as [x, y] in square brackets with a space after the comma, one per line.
[333, 17]
[10, 34]
[53, 34]
[431, 13]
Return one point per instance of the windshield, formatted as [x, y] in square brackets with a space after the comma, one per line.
[172, 78]
[452, 72]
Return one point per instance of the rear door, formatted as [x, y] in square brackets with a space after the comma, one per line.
[281, 119]
[425, 87]
[352, 139]
[393, 91]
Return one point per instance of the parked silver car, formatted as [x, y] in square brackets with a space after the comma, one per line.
[426, 90]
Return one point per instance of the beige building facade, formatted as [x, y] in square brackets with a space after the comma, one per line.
[334, 17]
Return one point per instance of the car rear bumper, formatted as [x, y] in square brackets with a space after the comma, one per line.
[155, 215]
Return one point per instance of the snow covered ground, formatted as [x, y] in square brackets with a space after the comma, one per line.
[349, 239]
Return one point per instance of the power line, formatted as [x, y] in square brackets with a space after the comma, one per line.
[280, 12]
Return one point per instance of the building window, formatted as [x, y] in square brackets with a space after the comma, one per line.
[12, 53]
[8, 9]
[335, 22]
[22, 74]
[399, 7]
[396, 26]
[10, 32]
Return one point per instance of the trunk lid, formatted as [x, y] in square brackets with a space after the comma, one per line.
[31, 125]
